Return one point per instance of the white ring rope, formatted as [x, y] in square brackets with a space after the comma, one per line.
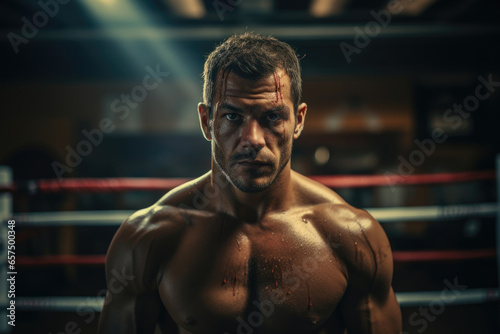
[384, 215]
[405, 299]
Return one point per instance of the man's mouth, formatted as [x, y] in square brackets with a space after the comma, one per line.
[253, 163]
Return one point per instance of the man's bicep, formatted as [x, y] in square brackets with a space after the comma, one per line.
[130, 313]
[369, 304]
[117, 314]
[131, 304]
[364, 313]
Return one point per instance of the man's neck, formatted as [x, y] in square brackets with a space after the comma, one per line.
[251, 207]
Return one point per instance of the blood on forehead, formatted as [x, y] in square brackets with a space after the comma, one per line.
[220, 83]
[221, 86]
[277, 82]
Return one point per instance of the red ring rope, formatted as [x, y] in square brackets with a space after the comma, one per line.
[399, 256]
[149, 184]
[358, 181]
[107, 185]
[46, 260]
[446, 255]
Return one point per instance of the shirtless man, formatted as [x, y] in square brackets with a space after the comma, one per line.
[251, 246]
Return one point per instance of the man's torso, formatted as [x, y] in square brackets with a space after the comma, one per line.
[285, 273]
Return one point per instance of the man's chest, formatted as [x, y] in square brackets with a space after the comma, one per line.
[276, 280]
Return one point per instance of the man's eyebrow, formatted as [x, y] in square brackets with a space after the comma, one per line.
[230, 107]
[278, 108]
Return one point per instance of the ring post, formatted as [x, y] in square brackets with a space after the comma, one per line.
[5, 214]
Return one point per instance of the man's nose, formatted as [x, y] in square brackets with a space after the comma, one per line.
[252, 135]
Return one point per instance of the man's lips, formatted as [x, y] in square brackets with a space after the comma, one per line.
[253, 163]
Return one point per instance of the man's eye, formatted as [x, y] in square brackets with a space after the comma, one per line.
[232, 117]
[273, 117]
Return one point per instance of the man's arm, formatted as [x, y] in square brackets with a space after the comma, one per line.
[132, 303]
[369, 304]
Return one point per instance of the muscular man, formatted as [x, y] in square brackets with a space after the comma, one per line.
[251, 246]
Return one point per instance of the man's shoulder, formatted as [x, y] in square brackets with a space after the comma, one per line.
[147, 226]
[337, 213]
[347, 219]
[164, 220]
[359, 240]
[140, 239]
[158, 220]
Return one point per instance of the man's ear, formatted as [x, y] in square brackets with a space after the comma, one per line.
[205, 122]
[300, 119]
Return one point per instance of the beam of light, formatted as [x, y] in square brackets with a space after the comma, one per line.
[112, 16]
[192, 9]
[115, 15]
[325, 8]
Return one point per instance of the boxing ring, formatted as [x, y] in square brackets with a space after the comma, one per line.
[390, 215]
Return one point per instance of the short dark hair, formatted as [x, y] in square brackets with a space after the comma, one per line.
[251, 56]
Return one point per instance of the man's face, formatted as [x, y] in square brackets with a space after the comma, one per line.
[252, 129]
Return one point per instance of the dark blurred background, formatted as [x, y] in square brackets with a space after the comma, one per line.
[379, 76]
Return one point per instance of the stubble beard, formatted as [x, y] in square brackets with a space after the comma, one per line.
[249, 185]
